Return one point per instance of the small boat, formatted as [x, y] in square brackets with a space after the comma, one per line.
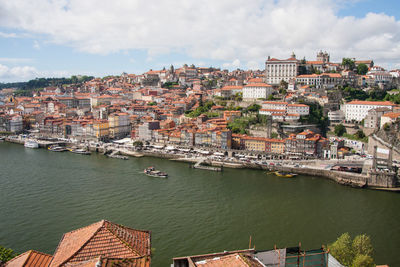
[285, 174]
[80, 151]
[2, 138]
[31, 144]
[118, 157]
[151, 171]
[56, 148]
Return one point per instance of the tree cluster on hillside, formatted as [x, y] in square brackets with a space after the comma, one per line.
[200, 110]
[350, 93]
[242, 124]
[25, 88]
[316, 116]
[348, 63]
[356, 253]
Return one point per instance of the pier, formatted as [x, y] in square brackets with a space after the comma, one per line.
[208, 168]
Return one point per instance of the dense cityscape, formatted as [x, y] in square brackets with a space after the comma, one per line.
[199, 133]
[294, 117]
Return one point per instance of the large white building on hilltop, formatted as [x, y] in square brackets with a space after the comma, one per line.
[254, 91]
[357, 110]
[277, 70]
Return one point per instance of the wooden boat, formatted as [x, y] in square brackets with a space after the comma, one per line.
[285, 174]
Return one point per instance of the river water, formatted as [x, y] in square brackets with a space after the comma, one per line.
[45, 194]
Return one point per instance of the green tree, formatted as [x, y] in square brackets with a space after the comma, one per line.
[386, 127]
[363, 261]
[341, 249]
[340, 130]
[356, 253]
[283, 84]
[253, 108]
[6, 254]
[348, 63]
[359, 134]
[362, 69]
[362, 245]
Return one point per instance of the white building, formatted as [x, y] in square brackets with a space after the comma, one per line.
[256, 90]
[230, 90]
[301, 109]
[357, 110]
[271, 106]
[325, 80]
[277, 70]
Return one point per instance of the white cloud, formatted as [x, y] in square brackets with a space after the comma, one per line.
[24, 73]
[13, 60]
[36, 45]
[8, 35]
[232, 65]
[225, 30]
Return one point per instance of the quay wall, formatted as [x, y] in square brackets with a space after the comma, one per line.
[374, 179]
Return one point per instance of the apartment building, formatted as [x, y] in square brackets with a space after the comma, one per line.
[255, 91]
[357, 110]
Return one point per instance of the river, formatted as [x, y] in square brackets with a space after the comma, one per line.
[45, 194]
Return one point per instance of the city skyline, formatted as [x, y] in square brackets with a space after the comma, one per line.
[64, 38]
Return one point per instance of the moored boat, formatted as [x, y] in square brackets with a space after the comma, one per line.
[80, 151]
[57, 148]
[151, 171]
[31, 144]
[285, 174]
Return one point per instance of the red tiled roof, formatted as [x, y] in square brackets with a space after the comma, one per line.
[234, 260]
[101, 239]
[377, 103]
[258, 85]
[30, 258]
[392, 115]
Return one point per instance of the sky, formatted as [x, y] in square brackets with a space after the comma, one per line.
[60, 38]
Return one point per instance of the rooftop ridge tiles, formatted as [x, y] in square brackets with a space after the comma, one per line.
[123, 241]
[83, 245]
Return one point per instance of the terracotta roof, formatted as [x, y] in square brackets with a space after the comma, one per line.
[315, 62]
[377, 103]
[258, 85]
[101, 239]
[113, 262]
[275, 102]
[392, 115]
[232, 260]
[30, 258]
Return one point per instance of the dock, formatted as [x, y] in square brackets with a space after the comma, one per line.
[208, 168]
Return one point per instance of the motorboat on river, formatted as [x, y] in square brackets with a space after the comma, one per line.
[31, 144]
[151, 171]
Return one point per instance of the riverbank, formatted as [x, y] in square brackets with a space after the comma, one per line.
[371, 180]
[191, 212]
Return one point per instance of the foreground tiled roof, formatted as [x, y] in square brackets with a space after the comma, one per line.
[101, 239]
[30, 258]
[113, 262]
